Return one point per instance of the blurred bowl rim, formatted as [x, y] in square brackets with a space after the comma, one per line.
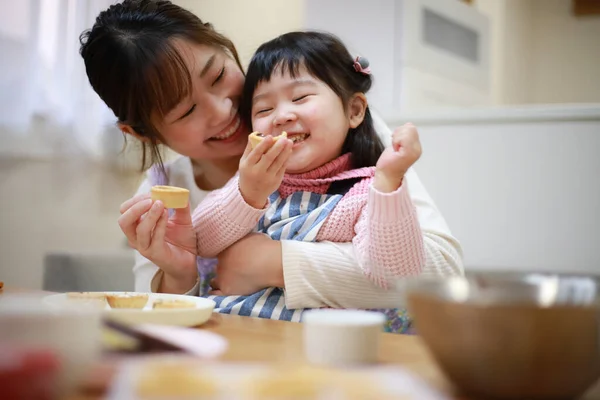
[488, 288]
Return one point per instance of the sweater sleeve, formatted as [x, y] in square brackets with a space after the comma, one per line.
[223, 218]
[388, 239]
[328, 274]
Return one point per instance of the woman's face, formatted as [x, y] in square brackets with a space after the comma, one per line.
[206, 125]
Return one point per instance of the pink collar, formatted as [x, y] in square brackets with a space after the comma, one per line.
[319, 179]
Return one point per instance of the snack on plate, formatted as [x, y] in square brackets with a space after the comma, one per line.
[127, 300]
[170, 380]
[86, 295]
[171, 196]
[164, 304]
[1, 284]
[256, 137]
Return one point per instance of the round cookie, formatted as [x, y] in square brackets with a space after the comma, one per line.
[171, 196]
[134, 300]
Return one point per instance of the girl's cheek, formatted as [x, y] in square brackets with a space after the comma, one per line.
[259, 124]
[311, 111]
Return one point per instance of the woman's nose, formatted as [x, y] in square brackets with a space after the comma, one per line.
[219, 109]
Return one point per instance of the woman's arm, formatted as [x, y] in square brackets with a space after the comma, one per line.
[148, 278]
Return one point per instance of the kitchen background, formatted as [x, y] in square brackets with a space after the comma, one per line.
[506, 94]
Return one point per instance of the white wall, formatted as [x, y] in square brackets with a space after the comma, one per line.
[567, 54]
[519, 188]
[542, 53]
[249, 23]
[57, 206]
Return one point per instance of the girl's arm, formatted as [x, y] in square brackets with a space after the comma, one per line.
[328, 274]
[388, 241]
[222, 219]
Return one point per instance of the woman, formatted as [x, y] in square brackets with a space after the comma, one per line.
[171, 79]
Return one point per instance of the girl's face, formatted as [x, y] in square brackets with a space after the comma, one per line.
[308, 110]
[206, 125]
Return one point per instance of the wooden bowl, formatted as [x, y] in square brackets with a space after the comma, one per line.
[533, 336]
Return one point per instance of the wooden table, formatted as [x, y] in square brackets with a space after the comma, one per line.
[263, 340]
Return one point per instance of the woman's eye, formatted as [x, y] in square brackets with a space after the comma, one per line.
[191, 110]
[300, 98]
[220, 76]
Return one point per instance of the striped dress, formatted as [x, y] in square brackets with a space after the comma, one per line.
[297, 216]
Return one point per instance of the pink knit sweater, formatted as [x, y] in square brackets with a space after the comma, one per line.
[383, 227]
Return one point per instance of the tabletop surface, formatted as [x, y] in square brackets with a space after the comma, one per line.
[264, 340]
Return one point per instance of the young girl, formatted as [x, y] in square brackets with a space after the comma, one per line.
[331, 179]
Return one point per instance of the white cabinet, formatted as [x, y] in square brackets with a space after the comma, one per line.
[424, 53]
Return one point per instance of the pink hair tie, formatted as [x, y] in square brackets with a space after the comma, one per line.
[361, 64]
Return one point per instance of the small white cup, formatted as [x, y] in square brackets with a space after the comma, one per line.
[342, 337]
[73, 335]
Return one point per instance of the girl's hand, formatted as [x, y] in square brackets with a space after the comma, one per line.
[396, 160]
[170, 243]
[262, 169]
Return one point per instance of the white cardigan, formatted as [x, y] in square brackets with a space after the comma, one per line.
[326, 274]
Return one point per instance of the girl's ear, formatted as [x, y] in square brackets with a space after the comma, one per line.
[357, 107]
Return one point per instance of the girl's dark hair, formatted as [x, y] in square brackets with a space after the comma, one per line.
[133, 64]
[326, 58]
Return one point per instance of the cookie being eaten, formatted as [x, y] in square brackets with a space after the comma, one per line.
[256, 137]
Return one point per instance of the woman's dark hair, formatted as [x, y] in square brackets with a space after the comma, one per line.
[326, 58]
[133, 64]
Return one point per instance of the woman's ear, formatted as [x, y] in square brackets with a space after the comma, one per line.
[357, 107]
[128, 130]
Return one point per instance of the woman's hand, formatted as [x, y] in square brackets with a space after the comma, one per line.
[262, 169]
[249, 265]
[170, 243]
[396, 160]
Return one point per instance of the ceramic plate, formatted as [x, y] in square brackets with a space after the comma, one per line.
[164, 316]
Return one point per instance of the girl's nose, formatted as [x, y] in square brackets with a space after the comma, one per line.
[283, 117]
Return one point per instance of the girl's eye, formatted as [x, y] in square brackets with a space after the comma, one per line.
[300, 98]
[264, 110]
[220, 76]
